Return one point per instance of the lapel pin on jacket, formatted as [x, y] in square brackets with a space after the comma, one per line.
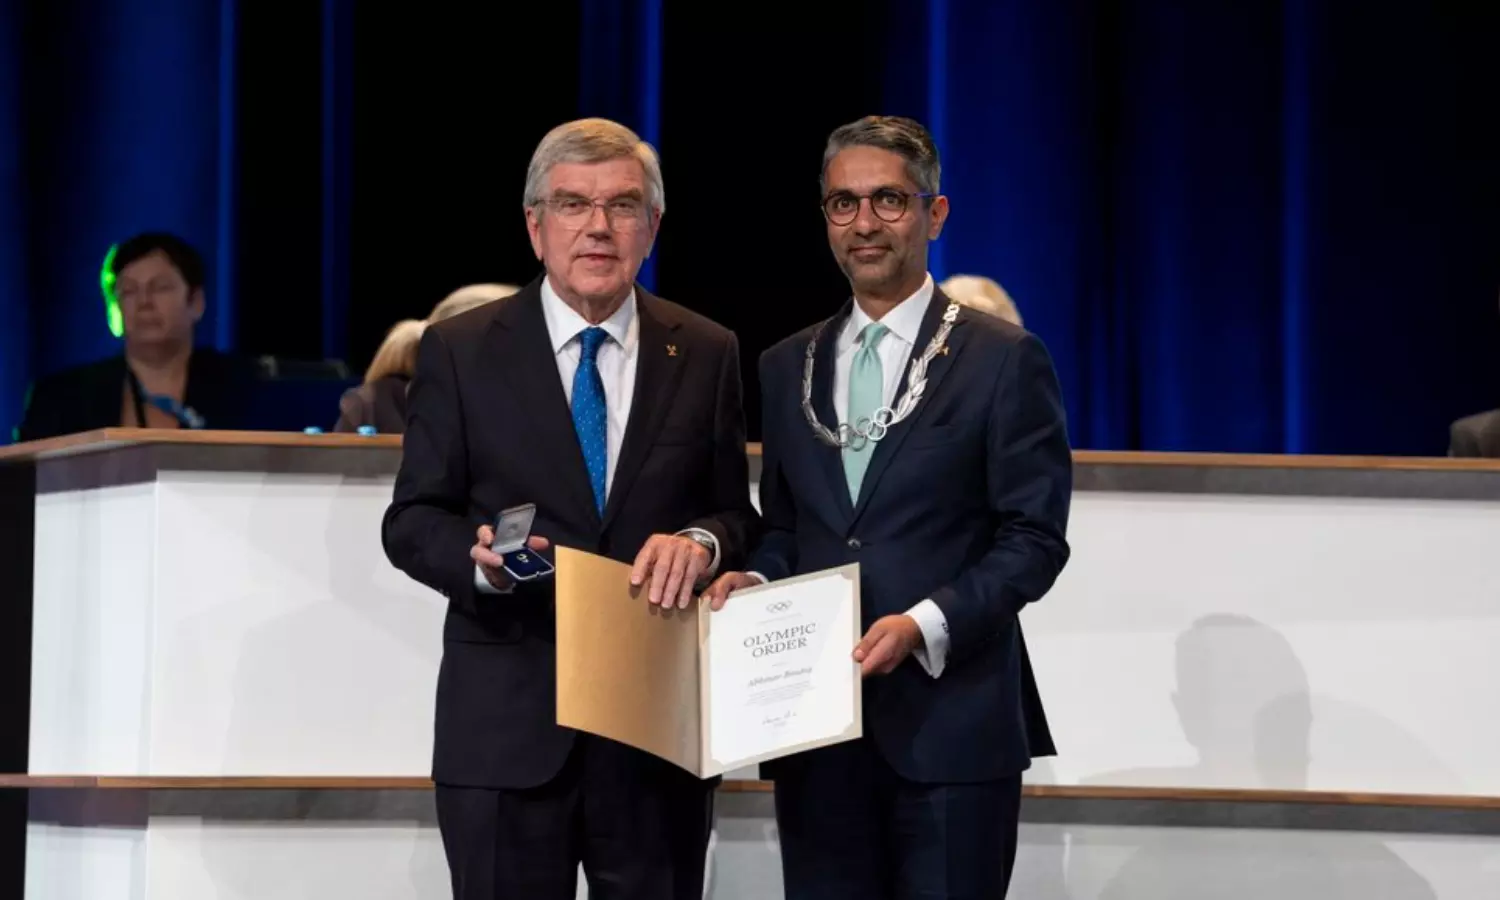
[671, 349]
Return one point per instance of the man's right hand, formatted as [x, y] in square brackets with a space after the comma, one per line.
[489, 561]
[726, 584]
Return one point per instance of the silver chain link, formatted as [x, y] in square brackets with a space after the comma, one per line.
[874, 427]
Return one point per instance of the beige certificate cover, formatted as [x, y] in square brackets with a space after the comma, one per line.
[626, 669]
[629, 671]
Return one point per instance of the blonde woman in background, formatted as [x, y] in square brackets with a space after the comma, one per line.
[380, 401]
[983, 294]
[468, 297]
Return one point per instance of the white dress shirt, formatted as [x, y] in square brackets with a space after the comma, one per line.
[904, 321]
[617, 364]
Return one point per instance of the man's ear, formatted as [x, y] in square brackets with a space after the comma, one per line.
[936, 216]
[655, 227]
[197, 303]
[534, 229]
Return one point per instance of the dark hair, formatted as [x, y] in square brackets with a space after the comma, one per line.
[902, 136]
[179, 252]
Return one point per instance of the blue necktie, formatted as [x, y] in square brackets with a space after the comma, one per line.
[590, 413]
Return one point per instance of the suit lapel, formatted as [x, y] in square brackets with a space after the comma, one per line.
[830, 459]
[887, 448]
[658, 372]
[521, 348]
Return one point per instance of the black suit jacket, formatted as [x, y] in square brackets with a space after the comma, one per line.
[488, 427]
[88, 397]
[965, 502]
[1476, 435]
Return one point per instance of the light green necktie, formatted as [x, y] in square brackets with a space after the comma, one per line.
[866, 394]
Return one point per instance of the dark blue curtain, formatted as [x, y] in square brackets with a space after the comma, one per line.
[1252, 227]
[620, 48]
[15, 314]
[337, 171]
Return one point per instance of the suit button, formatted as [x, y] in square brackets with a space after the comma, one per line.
[854, 544]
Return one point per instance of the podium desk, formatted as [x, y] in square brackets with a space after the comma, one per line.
[218, 604]
[216, 685]
[1259, 623]
[206, 608]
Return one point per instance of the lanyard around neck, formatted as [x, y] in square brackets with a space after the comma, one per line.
[186, 416]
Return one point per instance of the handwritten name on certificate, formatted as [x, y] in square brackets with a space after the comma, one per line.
[779, 675]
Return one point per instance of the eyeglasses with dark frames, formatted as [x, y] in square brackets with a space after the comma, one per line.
[888, 204]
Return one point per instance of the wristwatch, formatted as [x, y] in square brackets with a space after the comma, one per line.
[702, 539]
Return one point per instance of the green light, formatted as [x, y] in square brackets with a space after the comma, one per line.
[111, 302]
[15, 433]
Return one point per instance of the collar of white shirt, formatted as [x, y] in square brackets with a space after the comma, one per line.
[904, 321]
[564, 323]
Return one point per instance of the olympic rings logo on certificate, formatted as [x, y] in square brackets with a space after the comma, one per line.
[779, 606]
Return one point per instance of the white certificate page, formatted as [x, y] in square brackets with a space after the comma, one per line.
[781, 677]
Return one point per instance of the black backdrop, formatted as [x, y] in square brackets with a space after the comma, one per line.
[443, 137]
[1240, 229]
[447, 111]
[743, 237]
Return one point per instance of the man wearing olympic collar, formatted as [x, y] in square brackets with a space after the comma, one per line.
[927, 443]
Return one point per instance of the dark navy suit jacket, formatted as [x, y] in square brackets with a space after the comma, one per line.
[965, 502]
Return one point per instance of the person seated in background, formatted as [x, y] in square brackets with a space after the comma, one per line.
[1476, 436]
[983, 294]
[161, 380]
[380, 402]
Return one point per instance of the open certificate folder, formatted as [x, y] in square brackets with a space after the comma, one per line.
[767, 676]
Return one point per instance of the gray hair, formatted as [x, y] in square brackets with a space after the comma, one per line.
[592, 141]
[902, 136]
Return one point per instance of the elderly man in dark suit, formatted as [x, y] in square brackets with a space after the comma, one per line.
[620, 416]
[926, 442]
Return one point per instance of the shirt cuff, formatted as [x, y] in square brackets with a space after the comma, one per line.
[482, 584]
[713, 542]
[758, 577]
[933, 654]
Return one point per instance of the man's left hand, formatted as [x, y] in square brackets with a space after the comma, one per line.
[673, 564]
[889, 641]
